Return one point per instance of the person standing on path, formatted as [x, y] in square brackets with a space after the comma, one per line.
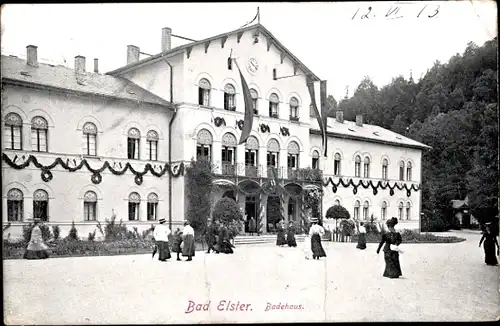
[188, 239]
[280, 239]
[161, 234]
[210, 236]
[176, 243]
[392, 240]
[36, 249]
[361, 237]
[252, 226]
[490, 242]
[290, 236]
[316, 232]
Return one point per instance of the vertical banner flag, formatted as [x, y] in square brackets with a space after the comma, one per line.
[248, 121]
[324, 111]
[322, 126]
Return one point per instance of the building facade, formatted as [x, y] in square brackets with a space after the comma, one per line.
[83, 146]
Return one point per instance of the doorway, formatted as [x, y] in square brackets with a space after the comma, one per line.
[292, 210]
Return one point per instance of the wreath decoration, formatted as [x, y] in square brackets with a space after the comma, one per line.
[96, 178]
[138, 179]
[264, 128]
[46, 175]
[284, 131]
[218, 121]
[239, 123]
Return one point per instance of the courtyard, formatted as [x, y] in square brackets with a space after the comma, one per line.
[441, 282]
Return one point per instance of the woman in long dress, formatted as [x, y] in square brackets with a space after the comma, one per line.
[161, 235]
[280, 239]
[361, 237]
[290, 236]
[36, 249]
[490, 242]
[188, 239]
[316, 232]
[392, 240]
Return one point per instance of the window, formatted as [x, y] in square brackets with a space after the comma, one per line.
[39, 129]
[383, 213]
[229, 98]
[400, 211]
[204, 145]
[251, 156]
[385, 164]
[356, 209]
[273, 105]
[13, 131]
[90, 206]
[366, 167]
[408, 210]
[41, 205]
[89, 139]
[294, 109]
[133, 206]
[152, 207]
[402, 171]
[357, 166]
[229, 143]
[204, 88]
[15, 199]
[337, 202]
[152, 145]
[408, 171]
[293, 155]
[255, 98]
[273, 151]
[336, 164]
[315, 160]
[134, 137]
[366, 205]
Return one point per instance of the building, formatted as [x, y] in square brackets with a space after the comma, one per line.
[117, 143]
[462, 213]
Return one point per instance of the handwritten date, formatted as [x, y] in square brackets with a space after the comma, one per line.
[396, 12]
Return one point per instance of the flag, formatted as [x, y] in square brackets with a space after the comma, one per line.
[322, 126]
[248, 121]
[324, 111]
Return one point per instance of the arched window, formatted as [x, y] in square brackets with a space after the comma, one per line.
[294, 109]
[15, 200]
[273, 153]
[39, 131]
[13, 132]
[152, 145]
[204, 88]
[229, 98]
[89, 139]
[408, 211]
[152, 207]
[336, 164]
[383, 213]
[204, 145]
[251, 156]
[337, 202]
[293, 155]
[41, 205]
[229, 144]
[402, 170]
[315, 160]
[385, 165]
[356, 209]
[366, 206]
[408, 171]
[400, 210]
[357, 166]
[133, 143]
[90, 206]
[366, 167]
[134, 199]
[273, 105]
[255, 98]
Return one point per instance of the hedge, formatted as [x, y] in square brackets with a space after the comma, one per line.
[412, 237]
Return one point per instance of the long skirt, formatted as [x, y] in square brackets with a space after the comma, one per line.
[490, 257]
[392, 267]
[163, 250]
[361, 241]
[316, 246]
[225, 247]
[307, 247]
[290, 239]
[176, 246]
[280, 240]
[188, 249]
[36, 254]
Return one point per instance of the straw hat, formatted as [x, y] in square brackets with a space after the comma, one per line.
[162, 221]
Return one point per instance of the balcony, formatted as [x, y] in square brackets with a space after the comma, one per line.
[305, 174]
[258, 171]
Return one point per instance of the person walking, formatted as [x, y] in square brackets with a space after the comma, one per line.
[36, 249]
[161, 234]
[176, 243]
[361, 236]
[188, 239]
[280, 239]
[290, 236]
[490, 242]
[210, 236]
[392, 240]
[252, 225]
[316, 232]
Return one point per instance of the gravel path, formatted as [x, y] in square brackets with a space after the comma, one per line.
[441, 282]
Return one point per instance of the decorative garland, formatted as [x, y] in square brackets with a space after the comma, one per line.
[218, 121]
[239, 123]
[374, 185]
[264, 128]
[284, 131]
[96, 178]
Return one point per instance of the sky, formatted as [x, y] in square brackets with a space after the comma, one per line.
[332, 39]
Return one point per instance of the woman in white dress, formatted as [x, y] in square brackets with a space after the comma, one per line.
[316, 232]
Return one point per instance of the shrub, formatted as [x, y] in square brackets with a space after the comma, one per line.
[114, 231]
[73, 232]
[91, 236]
[57, 232]
[371, 227]
[199, 185]
[433, 223]
[46, 234]
[347, 226]
[228, 213]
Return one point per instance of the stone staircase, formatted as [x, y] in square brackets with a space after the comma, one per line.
[261, 239]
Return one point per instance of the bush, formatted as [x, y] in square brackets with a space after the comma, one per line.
[91, 236]
[227, 212]
[114, 231]
[199, 186]
[371, 227]
[57, 232]
[433, 223]
[73, 232]
[410, 236]
[46, 234]
[347, 226]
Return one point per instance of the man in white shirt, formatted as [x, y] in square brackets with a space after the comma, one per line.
[161, 234]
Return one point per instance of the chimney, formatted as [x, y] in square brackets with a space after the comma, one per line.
[80, 64]
[339, 116]
[132, 54]
[31, 57]
[166, 39]
[359, 120]
[96, 65]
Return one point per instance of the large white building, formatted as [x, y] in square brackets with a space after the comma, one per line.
[79, 145]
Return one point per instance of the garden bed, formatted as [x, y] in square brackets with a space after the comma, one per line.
[412, 237]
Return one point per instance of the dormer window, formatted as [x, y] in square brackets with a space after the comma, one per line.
[229, 98]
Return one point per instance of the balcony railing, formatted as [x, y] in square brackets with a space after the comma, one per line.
[305, 174]
[258, 171]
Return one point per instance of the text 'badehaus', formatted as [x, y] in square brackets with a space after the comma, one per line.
[79, 145]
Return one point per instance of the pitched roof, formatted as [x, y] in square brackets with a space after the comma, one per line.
[372, 133]
[16, 71]
[181, 48]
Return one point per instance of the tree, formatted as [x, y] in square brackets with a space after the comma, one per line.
[227, 212]
[199, 179]
[337, 212]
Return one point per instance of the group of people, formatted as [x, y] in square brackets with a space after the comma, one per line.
[182, 242]
[290, 234]
[218, 238]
